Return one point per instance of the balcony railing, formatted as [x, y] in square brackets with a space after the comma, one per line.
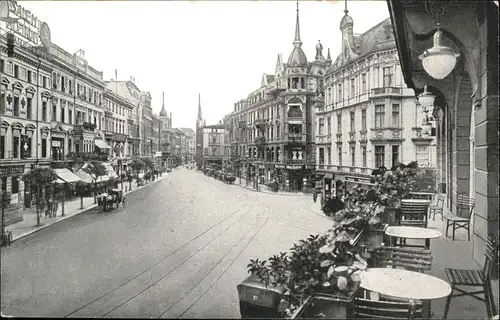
[324, 139]
[260, 141]
[295, 138]
[386, 91]
[293, 114]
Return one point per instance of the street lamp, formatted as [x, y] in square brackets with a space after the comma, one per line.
[426, 98]
[439, 60]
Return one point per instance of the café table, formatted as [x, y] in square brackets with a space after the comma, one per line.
[405, 284]
[404, 232]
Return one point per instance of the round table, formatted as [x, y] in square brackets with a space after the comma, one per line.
[404, 284]
[413, 233]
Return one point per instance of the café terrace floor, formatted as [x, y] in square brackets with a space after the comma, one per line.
[451, 254]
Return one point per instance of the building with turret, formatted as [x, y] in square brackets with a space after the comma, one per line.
[166, 135]
[369, 117]
[271, 132]
[199, 135]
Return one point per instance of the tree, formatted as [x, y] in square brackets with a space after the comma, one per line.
[111, 183]
[137, 165]
[39, 178]
[4, 202]
[130, 176]
[81, 187]
[149, 164]
[123, 176]
[60, 190]
[96, 170]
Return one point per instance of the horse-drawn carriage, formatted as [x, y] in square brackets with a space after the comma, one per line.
[108, 201]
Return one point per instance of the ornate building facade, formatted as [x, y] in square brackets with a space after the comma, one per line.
[275, 124]
[369, 117]
[116, 129]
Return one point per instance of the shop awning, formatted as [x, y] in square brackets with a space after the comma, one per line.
[101, 144]
[67, 176]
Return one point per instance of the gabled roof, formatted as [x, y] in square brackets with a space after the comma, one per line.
[187, 131]
[379, 37]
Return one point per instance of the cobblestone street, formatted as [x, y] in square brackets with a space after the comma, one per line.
[173, 251]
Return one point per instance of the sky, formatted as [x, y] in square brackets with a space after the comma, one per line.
[219, 49]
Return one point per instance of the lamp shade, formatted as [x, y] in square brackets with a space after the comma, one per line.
[439, 61]
[426, 99]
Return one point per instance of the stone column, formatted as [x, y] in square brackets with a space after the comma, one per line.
[460, 152]
[486, 141]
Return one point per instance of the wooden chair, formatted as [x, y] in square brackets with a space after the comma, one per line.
[413, 259]
[456, 220]
[437, 207]
[413, 214]
[370, 309]
[475, 278]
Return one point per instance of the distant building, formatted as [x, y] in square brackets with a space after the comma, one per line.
[116, 129]
[166, 135]
[130, 92]
[190, 143]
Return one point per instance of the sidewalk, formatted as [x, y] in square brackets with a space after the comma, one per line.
[447, 253]
[71, 208]
[263, 188]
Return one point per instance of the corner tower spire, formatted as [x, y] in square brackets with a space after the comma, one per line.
[297, 57]
[163, 112]
[297, 42]
[199, 120]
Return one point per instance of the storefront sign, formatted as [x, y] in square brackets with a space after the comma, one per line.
[14, 198]
[422, 154]
[29, 31]
[56, 143]
[11, 171]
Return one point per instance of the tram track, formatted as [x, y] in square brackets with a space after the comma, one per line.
[236, 251]
[158, 292]
[230, 220]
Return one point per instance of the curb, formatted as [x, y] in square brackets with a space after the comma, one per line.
[319, 214]
[268, 192]
[79, 211]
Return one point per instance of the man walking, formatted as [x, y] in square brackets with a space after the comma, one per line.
[315, 195]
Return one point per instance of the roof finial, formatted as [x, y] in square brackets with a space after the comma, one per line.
[345, 10]
[163, 99]
[328, 56]
[296, 41]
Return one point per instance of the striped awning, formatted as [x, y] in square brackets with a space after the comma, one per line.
[66, 175]
[101, 144]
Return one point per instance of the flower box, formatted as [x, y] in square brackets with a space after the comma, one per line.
[390, 216]
[328, 306]
[374, 237]
[257, 300]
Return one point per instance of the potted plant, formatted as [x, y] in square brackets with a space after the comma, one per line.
[317, 265]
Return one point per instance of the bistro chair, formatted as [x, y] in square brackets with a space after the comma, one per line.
[372, 309]
[456, 221]
[475, 278]
[413, 214]
[437, 207]
[412, 259]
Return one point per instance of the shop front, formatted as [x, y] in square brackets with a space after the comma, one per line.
[12, 184]
[58, 139]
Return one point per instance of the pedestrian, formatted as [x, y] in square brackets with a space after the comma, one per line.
[315, 195]
[123, 201]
